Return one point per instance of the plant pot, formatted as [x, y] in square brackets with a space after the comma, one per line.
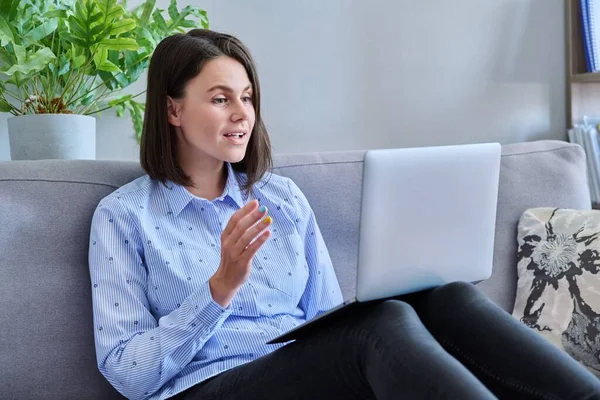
[52, 136]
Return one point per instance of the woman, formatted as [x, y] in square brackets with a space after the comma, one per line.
[196, 265]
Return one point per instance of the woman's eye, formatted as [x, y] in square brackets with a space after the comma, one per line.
[247, 99]
[219, 100]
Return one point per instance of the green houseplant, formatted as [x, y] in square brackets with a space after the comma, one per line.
[74, 57]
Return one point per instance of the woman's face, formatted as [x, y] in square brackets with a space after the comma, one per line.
[214, 120]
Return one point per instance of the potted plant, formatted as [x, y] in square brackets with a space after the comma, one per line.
[62, 61]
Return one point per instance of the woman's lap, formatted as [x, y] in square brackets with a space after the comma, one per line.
[385, 350]
[507, 356]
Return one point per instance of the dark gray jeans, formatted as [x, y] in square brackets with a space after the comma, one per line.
[447, 343]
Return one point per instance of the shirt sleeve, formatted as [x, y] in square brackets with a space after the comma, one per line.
[135, 352]
[322, 290]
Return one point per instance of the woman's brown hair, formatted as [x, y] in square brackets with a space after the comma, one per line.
[176, 60]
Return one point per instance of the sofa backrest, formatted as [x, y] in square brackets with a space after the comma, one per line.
[46, 340]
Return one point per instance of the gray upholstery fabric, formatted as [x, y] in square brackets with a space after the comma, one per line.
[46, 340]
[532, 174]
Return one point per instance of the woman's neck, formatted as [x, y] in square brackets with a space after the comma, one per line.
[208, 182]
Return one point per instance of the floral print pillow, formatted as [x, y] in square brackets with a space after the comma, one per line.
[558, 289]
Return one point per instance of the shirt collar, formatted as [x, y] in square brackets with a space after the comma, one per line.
[179, 197]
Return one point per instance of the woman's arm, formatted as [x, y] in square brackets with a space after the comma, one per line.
[135, 352]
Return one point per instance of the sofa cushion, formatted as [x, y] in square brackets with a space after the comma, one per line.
[558, 289]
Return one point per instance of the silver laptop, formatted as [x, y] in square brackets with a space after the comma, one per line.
[428, 217]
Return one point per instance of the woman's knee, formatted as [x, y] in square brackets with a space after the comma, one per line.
[382, 314]
[456, 292]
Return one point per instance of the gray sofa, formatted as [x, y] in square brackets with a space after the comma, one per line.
[46, 337]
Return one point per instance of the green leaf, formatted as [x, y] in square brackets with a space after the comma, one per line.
[108, 67]
[78, 61]
[6, 35]
[119, 44]
[111, 9]
[64, 67]
[40, 32]
[9, 8]
[4, 105]
[87, 99]
[160, 21]
[147, 11]
[6, 58]
[120, 100]
[173, 13]
[186, 23]
[60, 14]
[69, 38]
[108, 80]
[102, 63]
[145, 38]
[34, 63]
[83, 25]
[20, 53]
[122, 26]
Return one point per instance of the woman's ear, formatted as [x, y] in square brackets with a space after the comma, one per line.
[173, 111]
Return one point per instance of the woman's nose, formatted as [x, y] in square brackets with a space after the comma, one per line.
[240, 111]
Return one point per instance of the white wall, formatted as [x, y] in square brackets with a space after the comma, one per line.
[352, 74]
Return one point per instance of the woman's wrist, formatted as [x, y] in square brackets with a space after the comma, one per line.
[221, 293]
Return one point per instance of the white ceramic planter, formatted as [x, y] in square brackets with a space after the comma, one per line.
[52, 136]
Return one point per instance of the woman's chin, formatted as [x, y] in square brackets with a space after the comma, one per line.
[234, 156]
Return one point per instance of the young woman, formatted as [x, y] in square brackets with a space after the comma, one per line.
[196, 265]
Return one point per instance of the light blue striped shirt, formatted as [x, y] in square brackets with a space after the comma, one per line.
[152, 250]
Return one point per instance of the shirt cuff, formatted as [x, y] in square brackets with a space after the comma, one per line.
[208, 311]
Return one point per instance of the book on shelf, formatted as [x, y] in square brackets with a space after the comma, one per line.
[590, 32]
[586, 135]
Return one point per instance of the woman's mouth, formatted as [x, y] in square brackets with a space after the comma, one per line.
[236, 138]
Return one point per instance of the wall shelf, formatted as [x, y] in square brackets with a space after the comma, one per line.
[586, 77]
[583, 88]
